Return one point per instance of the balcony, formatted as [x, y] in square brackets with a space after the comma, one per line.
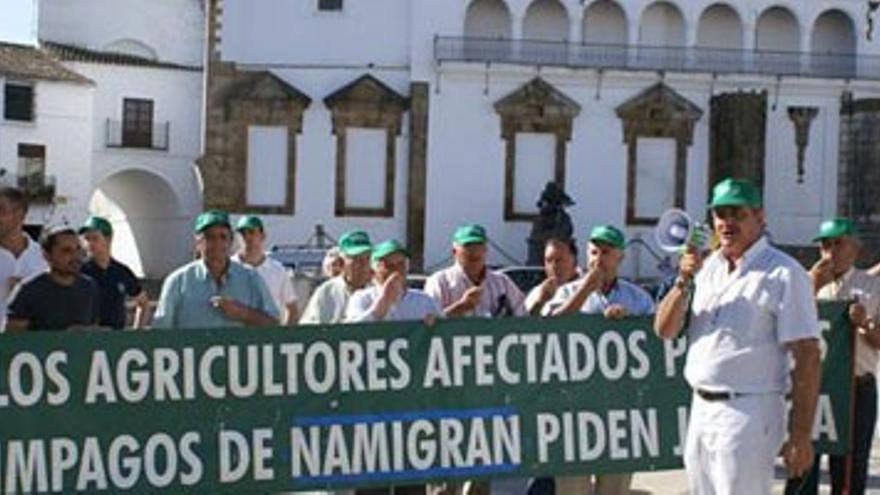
[656, 58]
[149, 137]
[40, 188]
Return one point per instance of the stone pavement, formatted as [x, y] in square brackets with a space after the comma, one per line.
[674, 483]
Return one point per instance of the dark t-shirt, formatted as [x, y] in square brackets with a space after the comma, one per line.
[47, 305]
[114, 284]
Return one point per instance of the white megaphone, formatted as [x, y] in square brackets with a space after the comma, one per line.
[676, 230]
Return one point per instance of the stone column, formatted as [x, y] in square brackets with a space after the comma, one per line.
[418, 171]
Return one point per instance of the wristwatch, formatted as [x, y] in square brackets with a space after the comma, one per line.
[682, 283]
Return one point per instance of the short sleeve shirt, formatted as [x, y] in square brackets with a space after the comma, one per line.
[414, 305]
[115, 283]
[186, 296]
[13, 270]
[328, 302]
[633, 298]
[277, 280]
[857, 284]
[741, 321]
[50, 306]
[500, 294]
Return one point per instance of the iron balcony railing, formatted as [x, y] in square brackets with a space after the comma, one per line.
[154, 136]
[656, 58]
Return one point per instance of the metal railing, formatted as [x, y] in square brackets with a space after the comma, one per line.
[155, 137]
[656, 58]
[39, 187]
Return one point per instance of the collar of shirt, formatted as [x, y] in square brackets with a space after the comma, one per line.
[752, 253]
[203, 274]
[459, 272]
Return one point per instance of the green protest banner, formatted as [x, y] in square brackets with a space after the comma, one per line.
[235, 410]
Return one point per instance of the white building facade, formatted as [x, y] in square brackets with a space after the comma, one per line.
[144, 125]
[408, 117]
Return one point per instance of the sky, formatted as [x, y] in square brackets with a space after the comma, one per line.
[17, 21]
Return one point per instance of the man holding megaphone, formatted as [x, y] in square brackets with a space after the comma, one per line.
[751, 308]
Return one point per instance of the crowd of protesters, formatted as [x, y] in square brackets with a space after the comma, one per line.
[49, 286]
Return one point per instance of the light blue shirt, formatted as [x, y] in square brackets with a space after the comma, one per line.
[635, 300]
[186, 296]
[414, 305]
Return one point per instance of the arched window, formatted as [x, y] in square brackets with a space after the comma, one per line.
[662, 24]
[487, 19]
[778, 30]
[605, 23]
[833, 45]
[720, 27]
[546, 20]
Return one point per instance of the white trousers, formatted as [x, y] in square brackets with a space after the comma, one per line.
[731, 444]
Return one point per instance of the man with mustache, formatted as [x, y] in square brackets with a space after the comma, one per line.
[835, 278]
[469, 288]
[752, 309]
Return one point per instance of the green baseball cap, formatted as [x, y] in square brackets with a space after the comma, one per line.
[836, 227]
[609, 235]
[211, 218]
[385, 248]
[470, 233]
[735, 192]
[249, 222]
[99, 224]
[355, 242]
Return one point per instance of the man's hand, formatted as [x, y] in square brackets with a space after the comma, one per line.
[690, 263]
[821, 273]
[594, 278]
[547, 289]
[471, 298]
[797, 452]
[858, 315]
[393, 287]
[615, 312]
[230, 308]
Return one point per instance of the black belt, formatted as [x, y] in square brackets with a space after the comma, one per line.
[711, 396]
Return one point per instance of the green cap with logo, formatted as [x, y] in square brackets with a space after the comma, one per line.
[249, 222]
[385, 248]
[211, 218]
[354, 243]
[98, 224]
[735, 192]
[836, 227]
[609, 235]
[470, 233]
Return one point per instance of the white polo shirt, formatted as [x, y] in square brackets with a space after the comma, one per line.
[413, 305]
[449, 285]
[741, 321]
[857, 284]
[277, 280]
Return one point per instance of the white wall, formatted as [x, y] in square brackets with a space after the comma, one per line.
[465, 151]
[297, 33]
[173, 28]
[63, 126]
